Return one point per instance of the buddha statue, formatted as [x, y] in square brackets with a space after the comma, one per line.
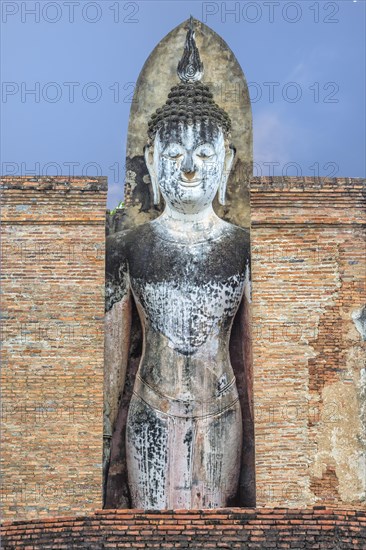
[187, 272]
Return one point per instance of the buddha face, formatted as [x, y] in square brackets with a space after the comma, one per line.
[188, 164]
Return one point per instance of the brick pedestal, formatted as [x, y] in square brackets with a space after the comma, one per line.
[247, 529]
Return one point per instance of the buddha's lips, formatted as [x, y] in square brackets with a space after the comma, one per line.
[189, 183]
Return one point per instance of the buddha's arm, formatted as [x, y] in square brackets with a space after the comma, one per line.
[246, 327]
[117, 335]
[247, 476]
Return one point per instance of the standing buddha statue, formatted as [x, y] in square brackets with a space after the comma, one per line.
[187, 271]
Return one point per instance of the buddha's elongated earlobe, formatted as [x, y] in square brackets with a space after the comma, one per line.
[149, 159]
[228, 162]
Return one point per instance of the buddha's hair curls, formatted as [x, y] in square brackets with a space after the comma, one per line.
[189, 103]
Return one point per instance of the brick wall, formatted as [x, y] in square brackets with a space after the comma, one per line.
[309, 268]
[53, 251]
[246, 529]
[308, 249]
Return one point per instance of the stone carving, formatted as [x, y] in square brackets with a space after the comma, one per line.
[187, 272]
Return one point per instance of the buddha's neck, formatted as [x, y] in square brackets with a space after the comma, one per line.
[196, 226]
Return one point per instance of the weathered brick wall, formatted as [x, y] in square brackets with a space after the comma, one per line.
[53, 252]
[308, 248]
[246, 529]
[309, 268]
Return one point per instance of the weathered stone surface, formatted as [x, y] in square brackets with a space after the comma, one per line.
[359, 318]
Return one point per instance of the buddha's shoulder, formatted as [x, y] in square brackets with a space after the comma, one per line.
[237, 235]
[122, 241]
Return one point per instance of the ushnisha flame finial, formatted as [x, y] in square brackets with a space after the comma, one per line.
[189, 101]
[190, 67]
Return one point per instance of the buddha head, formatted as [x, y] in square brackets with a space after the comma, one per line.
[189, 155]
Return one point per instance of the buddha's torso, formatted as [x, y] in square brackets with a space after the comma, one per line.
[187, 294]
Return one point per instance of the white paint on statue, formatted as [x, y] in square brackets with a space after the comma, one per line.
[188, 314]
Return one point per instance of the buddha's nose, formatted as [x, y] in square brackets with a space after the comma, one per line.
[188, 167]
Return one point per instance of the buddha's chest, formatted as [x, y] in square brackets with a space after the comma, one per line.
[188, 296]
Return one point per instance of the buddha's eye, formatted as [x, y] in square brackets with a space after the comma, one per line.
[205, 152]
[173, 153]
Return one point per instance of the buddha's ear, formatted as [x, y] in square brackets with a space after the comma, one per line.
[228, 162]
[149, 159]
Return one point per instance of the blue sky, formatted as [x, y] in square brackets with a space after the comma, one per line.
[304, 61]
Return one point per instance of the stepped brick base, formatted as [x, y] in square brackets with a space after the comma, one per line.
[244, 528]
